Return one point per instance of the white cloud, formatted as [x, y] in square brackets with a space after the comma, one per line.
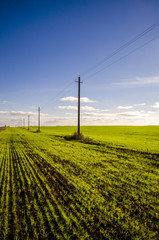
[124, 107]
[130, 114]
[139, 104]
[121, 118]
[7, 102]
[74, 99]
[60, 121]
[156, 105]
[130, 107]
[68, 107]
[134, 114]
[140, 81]
[101, 110]
[69, 99]
[87, 118]
[86, 108]
[97, 114]
[14, 118]
[106, 118]
[21, 113]
[86, 100]
[147, 80]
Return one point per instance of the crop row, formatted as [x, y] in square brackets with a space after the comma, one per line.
[55, 189]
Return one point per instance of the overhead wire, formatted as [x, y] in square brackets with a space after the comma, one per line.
[119, 59]
[57, 95]
[127, 44]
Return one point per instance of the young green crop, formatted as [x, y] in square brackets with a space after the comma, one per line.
[102, 188]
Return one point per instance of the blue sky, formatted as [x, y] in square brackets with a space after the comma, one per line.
[46, 45]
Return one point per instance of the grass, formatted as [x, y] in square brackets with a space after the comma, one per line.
[78, 137]
[103, 187]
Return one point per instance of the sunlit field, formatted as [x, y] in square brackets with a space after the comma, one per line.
[104, 187]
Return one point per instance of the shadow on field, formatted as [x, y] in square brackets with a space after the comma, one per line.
[37, 131]
[102, 146]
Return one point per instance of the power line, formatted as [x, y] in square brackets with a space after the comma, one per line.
[57, 95]
[119, 59]
[127, 44]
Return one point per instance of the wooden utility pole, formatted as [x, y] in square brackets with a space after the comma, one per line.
[79, 82]
[39, 119]
[28, 122]
[79, 105]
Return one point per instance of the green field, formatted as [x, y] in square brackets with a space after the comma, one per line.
[106, 187]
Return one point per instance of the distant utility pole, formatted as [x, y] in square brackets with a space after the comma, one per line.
[39, 119]
[23, 122]
[79, 82]
[28, 122]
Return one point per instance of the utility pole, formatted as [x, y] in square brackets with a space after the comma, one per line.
[28, 122]
[23, 122]
[79, 82]
[39, 119]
